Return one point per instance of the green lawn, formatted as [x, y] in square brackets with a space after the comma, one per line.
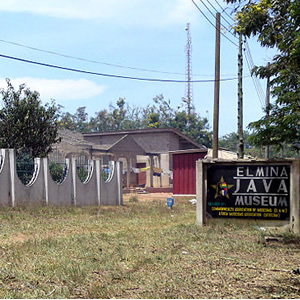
[139, 250]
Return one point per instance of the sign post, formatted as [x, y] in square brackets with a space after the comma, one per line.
[249, 191]
[262, 190]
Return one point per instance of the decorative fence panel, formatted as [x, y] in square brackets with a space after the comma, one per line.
[43, 190]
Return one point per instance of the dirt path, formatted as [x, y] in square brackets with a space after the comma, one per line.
[147, 196]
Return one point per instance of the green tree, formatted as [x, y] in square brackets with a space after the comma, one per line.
[118, 114]
[230, 141]
[124, 117]
[193, 126]
[276, 23]
[81, 119]
[25, 124]
[75, 122]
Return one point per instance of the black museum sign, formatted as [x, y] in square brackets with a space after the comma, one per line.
[248, 191]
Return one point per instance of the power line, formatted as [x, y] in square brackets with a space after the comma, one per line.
[248, 57]
[87, 60]
[212, 23]
[105, 74]
[208, 8]
[252, 66]
[255, 81]
[221, 16]
[223, 10]
[94, 61]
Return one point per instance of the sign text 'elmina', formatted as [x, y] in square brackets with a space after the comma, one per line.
[248, 191]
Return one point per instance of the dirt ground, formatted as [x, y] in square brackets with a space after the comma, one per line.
[146, 196]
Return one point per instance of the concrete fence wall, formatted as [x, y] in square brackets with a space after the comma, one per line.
[42, 190]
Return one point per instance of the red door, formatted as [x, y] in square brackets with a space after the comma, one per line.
[184, 173]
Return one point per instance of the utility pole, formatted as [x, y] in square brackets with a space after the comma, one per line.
[217, 89]
[267, 149]
[240, 100]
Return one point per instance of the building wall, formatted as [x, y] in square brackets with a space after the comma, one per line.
[157, 142]
[160, 142]
[103, 139]
[145, 146]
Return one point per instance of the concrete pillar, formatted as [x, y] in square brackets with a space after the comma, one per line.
[201, 193]
[98, 180]
[119, 181]
[46, 179]
[295, 197]
[133, 176]
[12, 164]
[74, 179]
[151, 170]
[165, 165]
[159, 165]
[128, 172]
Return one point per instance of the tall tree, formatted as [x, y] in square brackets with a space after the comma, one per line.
[124, 117]
[276, 23]
[118, 114]
[193, 126]
[25, 124]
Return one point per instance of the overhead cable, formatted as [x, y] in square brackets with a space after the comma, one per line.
[93, 61]
[252, 66]
[105, 74]
[213, 23]
[87, 60]
[223, 10]
[221, 16]
[255, 81]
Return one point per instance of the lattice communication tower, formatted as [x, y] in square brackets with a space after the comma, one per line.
[188, 71]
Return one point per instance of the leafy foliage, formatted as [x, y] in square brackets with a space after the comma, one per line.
[25, 124]
[57, 171]
[25, 166]
[124, 117]
[276, 23]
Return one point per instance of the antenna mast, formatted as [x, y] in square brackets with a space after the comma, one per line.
[188, 72]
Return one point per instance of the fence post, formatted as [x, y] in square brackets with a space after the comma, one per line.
[12, 172]
[74, 179]
[118, 165]
[295, 197]
[46, 179]
[200, 191]
[98, 180]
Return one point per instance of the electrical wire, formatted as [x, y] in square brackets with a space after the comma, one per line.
[88, 60]
[255, 81]
[222, 18]
[105, 74]
[94, 61]
[208, 8]
[223, 10]
[255, 84]
[252, 66]
[212, 23]
[249, 60]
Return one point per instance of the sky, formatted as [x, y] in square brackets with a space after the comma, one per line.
[143, 39]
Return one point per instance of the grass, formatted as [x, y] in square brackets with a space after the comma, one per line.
[139, 250]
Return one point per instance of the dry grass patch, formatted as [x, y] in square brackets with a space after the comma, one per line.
[140, 250]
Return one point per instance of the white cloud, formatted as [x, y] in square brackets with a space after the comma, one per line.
[183, 11]
[148, 12]
[60, 90]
